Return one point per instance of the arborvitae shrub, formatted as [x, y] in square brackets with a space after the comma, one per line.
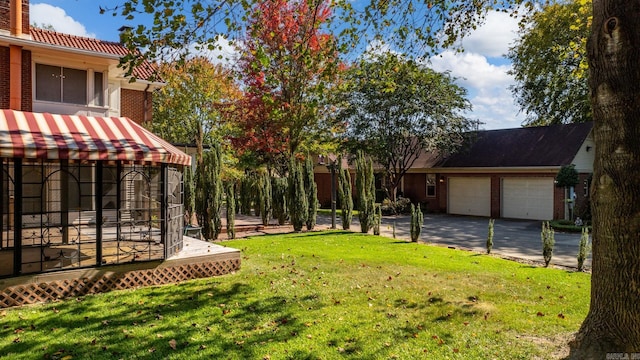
[231, 210]
[366, 192]
[209, 193]
[279, 199]
[377, 220]
[265, 198]
[344, 195]
[416, 222]
[548, 241]
[297, 199]
[490, 236]
[584, 249]
[312, 194]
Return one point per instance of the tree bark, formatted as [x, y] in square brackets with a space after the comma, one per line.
[613, 322]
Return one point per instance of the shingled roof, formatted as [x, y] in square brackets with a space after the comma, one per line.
[145, 71]
[554, 145]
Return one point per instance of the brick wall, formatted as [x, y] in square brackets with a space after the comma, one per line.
[27, 100]
[132, 105]
[5, 12]
[4, 77]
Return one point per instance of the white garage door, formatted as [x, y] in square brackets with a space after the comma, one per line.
[470, 196]
[527, 198]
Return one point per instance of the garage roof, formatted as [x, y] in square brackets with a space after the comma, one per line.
[554, 145]
[74, 137]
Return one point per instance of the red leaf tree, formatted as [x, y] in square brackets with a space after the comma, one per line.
[288, 64]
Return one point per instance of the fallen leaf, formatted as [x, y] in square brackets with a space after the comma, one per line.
[561, 316]
[202, 347]
[16, 340]
[18, 331]
[456, 350]
[540, 313]
[152, 350]
[173, 343]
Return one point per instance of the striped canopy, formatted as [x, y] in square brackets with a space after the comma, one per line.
[75, 137]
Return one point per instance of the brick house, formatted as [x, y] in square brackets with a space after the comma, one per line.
[47, 71]
[506, 173]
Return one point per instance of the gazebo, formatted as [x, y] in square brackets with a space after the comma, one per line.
[81, 192]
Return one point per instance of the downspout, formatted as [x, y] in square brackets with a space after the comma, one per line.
[15, 57]
[146, 104]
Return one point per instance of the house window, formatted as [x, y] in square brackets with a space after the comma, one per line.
[431, 185]
[66, 85]
[98, 89]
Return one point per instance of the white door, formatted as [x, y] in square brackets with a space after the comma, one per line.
[470, 196]
[527, 198]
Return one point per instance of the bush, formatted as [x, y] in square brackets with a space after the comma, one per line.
[366, 192]
[297, 198]
[548, 241]
[231, 210]
[490, 236]
[344, 195]
[584, 249]
[401, 206]
[416, 223]
[377, 220]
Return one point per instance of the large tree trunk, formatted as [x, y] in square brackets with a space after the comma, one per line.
[613, 322]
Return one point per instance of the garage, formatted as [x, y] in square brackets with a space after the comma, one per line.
[470, 196]
[527, 198]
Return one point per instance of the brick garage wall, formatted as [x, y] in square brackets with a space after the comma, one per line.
[4, 76]
[132, 105]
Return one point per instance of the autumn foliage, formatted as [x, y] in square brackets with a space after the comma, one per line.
[286, 64]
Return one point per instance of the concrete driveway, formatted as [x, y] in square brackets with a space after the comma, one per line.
[512, 238]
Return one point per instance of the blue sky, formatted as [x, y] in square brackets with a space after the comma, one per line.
[481, 68]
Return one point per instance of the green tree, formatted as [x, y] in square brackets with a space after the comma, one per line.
[297, 198]
[265, 198]
[311, 190]
[365, 186]
[417, 219]
[189, 193]
[279, 194]
[396, 108]
[186, 109]
[231, 209]
[344, 195]
[549, 64]
[208, 199]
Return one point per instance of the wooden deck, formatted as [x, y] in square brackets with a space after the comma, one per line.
[198, 259]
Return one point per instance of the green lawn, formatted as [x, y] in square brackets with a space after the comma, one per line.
[325, 295]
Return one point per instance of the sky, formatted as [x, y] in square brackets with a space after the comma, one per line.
[481, 68]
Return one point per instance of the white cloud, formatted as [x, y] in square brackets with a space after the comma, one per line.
[487, 81]
[487, 85]
[45, 14]
[494, 36]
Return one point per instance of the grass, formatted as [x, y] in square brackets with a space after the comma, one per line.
[325, 295]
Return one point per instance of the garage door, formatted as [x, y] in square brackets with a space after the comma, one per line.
[470, 196]
[527, 198]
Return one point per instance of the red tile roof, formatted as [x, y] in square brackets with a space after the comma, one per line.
[144, 71]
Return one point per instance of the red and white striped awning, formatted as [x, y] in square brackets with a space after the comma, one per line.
[75, 137]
